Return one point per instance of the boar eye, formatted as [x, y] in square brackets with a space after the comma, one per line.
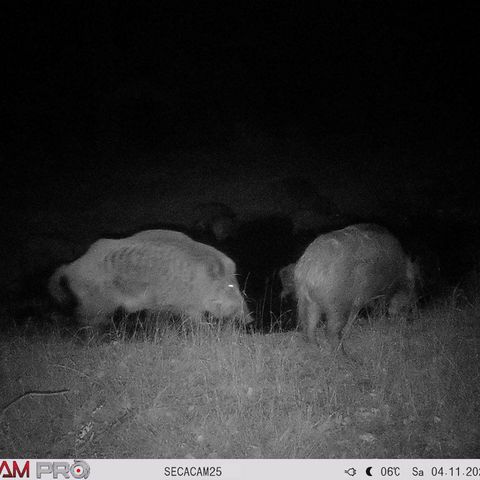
[230, 285]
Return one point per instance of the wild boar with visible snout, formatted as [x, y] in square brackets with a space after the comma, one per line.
[343, 271]
[153, 270]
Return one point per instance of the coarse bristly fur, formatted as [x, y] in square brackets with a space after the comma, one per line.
[343, 271]
[153, 270]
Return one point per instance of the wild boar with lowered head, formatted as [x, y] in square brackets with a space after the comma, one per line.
[343, 271]
[153, 270]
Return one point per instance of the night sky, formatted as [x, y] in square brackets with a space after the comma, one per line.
[395, 72]
[98, 89]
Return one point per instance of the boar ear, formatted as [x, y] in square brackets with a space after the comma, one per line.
[229, 265]
[286, 273]
[215, 269]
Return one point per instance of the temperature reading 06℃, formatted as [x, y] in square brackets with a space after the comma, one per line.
[455, 472]
[390, 471]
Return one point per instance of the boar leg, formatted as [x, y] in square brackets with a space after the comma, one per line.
[337, 318]
[308, 317]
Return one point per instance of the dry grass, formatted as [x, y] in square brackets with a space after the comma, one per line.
[221, 393]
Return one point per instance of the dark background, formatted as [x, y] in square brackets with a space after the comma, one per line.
[397, 73]
[94, 89]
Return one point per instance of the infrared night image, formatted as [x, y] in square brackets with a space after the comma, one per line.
[239, 230]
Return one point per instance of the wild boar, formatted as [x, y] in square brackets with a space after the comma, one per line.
[153, 270]
[343, 271]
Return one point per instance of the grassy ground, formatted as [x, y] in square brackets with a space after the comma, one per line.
[220, 393]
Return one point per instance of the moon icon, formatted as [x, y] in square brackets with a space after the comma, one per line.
[368, 471]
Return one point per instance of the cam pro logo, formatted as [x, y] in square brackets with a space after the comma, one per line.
[78, 469]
